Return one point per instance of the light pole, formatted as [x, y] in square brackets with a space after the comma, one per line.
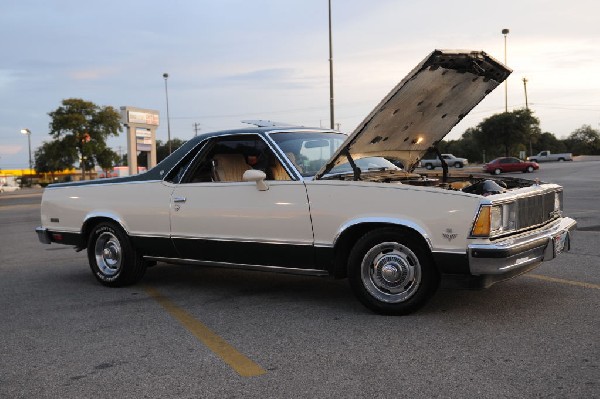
[27, 132]
[505, 33]
[331, 116]
[166, 76]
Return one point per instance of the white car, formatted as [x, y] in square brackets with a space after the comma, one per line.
[8, 189]
[449, 159]
[317, 202]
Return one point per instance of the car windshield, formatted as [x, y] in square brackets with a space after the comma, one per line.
[365, 165]
[308, 151]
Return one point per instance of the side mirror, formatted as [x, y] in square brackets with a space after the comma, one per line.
[257, 176]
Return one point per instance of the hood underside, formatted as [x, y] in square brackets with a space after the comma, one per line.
[423, 108]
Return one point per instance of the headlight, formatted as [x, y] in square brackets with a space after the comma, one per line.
[494, 220]
[503, 218]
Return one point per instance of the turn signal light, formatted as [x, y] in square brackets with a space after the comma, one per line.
[482, 225]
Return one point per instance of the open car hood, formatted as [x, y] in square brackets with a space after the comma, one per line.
[422, 108]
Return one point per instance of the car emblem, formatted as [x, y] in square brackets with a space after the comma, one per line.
[449, 235]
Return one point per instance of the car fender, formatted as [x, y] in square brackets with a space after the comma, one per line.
[384, 221]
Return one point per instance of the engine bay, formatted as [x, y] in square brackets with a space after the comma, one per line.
[469, 183]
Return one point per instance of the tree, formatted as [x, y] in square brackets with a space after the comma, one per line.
[584, 140]
[548, 141]
[85, 126]
[51, 157]
[509, 131]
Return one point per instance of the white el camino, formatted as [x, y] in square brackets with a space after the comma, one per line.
[317, 202]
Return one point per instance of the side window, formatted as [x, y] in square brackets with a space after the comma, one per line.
[226, 159]
[176, 174]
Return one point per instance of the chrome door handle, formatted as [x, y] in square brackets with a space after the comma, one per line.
[179, 199]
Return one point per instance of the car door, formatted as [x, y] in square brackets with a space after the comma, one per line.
[506, 165]
[216, 217]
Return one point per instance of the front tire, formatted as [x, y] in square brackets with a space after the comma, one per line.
[114, 262]
[458, 165]
[428, 166]
[391, 273]
[530, 169]
[497, 171]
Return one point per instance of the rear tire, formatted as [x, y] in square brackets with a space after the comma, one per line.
[428, 166]
[391, 273]
[113, 260]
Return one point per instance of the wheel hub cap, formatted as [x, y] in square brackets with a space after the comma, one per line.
[391, 272]
[108, 254]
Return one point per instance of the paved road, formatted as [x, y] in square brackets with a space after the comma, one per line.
[63, 335]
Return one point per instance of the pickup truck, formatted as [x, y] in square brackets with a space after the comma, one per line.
[547, 156]
[450, 159]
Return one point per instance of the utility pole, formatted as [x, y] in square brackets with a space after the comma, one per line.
[196, 128]
[527, 108]
[525, 87]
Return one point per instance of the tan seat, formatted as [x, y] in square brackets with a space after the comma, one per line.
[230, 167]
[292, 157]
[278, 172]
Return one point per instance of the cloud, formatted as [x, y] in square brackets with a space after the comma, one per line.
[92, 74]
[10, 149]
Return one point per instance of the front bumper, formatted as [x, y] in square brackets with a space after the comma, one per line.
[513, 256]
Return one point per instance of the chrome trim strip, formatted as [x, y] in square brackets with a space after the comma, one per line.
[150, 235]
[107, 215]
[101, 183]
[386, 220]
[242, 240]
[227, 265]
[73, 231]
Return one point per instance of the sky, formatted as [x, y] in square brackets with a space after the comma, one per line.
[230, 60]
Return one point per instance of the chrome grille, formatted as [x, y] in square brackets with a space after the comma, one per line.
[536, 210]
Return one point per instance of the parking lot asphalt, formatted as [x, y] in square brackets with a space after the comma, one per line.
[188, 331]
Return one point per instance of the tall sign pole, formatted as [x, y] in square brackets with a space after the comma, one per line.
[141, 127]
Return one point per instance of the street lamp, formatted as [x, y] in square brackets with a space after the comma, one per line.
[331, 115]
[505, 33]
[27, 132]
[166, 76]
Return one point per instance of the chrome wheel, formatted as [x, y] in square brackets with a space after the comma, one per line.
[108, 253]
[391, 272]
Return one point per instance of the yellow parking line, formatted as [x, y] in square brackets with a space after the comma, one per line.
[236, 360]
[562, 281]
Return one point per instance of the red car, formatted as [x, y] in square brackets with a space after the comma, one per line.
[500, 165]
